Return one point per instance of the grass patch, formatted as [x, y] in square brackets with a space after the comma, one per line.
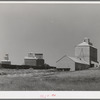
[47, 80]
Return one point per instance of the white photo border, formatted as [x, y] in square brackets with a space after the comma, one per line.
[50, 94]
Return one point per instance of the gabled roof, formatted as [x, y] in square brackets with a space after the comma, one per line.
[61, 58]
[82, 61]
[5, 60]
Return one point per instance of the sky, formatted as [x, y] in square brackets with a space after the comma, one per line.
[51, 29]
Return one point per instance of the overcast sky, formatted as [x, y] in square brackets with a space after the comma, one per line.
[51, 29]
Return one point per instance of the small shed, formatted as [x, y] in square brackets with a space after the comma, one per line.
[71, 64]
[34, 60]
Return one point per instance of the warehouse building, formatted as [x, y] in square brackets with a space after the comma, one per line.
[87, 52]
[85, 57]
[6, 60]
[34, 60]
[71, 64]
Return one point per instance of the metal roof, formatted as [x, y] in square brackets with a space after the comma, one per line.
[84, 44]
[61, 58]
[6, 60]
[38, 53]
[82, 61]
[30, 58]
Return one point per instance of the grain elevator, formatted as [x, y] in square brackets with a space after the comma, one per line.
[34, 60]
[87, 52]
[6, 60]
[85, 57]
[30, 60]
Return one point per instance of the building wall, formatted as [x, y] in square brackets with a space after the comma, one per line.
[6, 62]
[83, 52]
[94, 64]
[66, 63]
[30, 62]
[79, 66]
[40, 62]
[93, 54]
[88, 53]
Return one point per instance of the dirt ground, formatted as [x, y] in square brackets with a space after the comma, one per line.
[49, 80]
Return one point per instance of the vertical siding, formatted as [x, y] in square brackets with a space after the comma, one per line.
[93, 54]
[79, 66]
[66, 63]
[6, 62]
[40, 62]
[31, 62]
[83, 52]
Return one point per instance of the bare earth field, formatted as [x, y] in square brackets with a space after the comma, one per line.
[49, 80]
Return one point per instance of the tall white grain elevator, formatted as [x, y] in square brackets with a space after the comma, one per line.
[87, 52]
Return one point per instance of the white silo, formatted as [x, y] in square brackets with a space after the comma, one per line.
[86, 51]
[6, 60]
